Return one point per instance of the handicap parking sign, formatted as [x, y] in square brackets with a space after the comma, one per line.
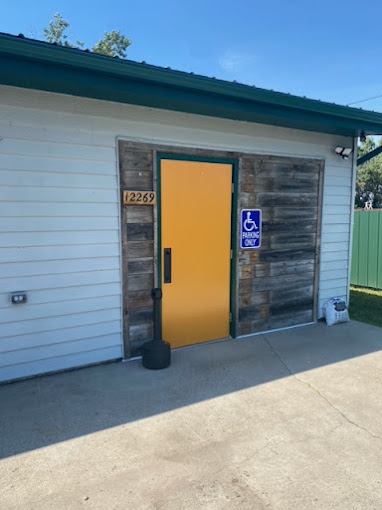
[250, 229]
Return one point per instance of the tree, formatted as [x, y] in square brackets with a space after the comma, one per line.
[113, 44]
[369, 177]
[55, 34]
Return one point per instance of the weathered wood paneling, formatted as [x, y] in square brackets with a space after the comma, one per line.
[139, 231]
[140, 266]
[276, 284]
[136, 172]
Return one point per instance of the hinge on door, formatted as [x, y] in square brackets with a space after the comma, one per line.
[231, 254]
[233, 187]
[230, 317]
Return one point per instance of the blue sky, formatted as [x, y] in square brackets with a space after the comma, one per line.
[327, 50]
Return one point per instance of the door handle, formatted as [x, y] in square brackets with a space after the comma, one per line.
[167, 265]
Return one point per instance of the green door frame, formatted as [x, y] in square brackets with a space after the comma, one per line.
[234, 204]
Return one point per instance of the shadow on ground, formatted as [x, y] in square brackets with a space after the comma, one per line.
[50, 409]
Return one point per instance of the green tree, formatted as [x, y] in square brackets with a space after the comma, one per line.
[55, 34]
[369, 177]
[113, 44]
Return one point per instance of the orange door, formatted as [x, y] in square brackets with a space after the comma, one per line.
[196, 201]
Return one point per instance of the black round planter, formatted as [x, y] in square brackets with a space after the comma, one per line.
[156, 355]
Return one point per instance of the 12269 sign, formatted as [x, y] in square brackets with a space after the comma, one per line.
[139, 197]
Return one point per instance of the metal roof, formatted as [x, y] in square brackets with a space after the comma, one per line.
[42, 66]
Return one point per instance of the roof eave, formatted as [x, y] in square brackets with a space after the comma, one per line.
[40, 66]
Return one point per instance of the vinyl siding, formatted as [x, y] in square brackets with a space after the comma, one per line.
[59, 230]
[335, 252]
[59, 217]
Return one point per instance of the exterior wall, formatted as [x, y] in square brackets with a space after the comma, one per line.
[59, 217]
[278, 282]
[136, 164]
[336, 231]
[275, 285]
[59, 223]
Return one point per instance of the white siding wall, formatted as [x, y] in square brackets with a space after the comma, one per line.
[59, 238]
[59, 217]
[337, 205]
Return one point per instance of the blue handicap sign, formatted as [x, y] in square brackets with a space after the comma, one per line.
[250, 229]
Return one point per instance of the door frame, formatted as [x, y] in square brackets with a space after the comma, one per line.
[234, 205]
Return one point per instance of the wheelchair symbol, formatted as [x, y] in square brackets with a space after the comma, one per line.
[249, 224]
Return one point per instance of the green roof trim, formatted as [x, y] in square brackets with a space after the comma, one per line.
[42, 66]
[370, 155]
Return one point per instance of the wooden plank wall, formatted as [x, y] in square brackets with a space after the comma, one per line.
[136, 164]
[276, 284]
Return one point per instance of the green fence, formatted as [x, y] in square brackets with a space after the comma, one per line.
[366, 268]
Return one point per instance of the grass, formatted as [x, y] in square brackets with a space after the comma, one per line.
[366, 305]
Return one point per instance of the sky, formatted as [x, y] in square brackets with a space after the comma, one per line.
[328, 50]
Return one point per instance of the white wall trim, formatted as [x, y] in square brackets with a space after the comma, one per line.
[211, 147]
[118, 176]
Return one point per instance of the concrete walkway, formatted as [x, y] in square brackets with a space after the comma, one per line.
[289, 420]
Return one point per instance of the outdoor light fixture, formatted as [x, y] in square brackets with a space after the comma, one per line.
[362, 136]
[344, 152]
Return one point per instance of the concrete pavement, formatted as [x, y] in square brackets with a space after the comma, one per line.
[286, 420]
